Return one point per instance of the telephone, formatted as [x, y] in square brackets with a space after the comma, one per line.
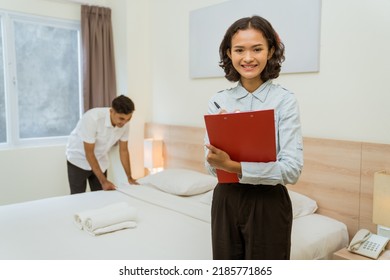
[367, 244]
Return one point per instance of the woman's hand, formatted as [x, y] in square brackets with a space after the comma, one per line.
[221, 160]
[217, 158]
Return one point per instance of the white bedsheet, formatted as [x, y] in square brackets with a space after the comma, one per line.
[44, 229]
[184, 205]
[168, 227]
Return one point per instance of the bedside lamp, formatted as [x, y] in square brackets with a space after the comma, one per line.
[153, 155]
[381, 203]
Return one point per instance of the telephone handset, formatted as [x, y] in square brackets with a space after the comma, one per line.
[367, 244]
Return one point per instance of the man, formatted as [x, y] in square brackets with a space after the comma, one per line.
[90, 142]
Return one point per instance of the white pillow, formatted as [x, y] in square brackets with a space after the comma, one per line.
[302, 205]
[180, 181]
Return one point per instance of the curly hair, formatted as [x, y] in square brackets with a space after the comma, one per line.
[274, 64]
[123, 105]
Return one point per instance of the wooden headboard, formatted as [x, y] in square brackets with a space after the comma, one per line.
[337, 174]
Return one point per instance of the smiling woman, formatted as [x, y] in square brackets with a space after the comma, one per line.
[252, 53]
[249, 54]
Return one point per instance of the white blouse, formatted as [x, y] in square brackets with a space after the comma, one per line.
[289, 145]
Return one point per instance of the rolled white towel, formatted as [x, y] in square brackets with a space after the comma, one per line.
[112, 213]
[79, 218]
[111, 220]
[112, 228]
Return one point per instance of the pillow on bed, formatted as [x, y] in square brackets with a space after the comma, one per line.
[301, 204]
[180, 181]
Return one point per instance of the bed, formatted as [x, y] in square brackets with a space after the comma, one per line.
[173, 222]
[45, 229]
[331, 201]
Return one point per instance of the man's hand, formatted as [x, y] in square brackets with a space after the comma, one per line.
[108, 186]
[132, 181]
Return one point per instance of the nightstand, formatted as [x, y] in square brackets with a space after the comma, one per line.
[344, 254]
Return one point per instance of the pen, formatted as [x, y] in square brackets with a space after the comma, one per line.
[216, 105]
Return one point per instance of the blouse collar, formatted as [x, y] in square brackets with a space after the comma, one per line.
[260, 93]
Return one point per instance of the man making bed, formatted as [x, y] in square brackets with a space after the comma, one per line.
[89, 143]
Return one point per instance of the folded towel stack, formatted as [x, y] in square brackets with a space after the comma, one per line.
[110, 218]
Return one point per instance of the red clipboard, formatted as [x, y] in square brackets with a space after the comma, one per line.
[245, 136]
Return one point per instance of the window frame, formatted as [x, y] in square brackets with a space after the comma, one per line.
[7, 19]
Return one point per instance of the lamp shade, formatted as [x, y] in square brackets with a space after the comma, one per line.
[381, 197]
[153, 153]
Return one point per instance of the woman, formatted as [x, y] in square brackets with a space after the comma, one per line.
[252, 219]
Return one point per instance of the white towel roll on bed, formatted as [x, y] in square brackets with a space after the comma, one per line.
[112, 228]
[80, 217]
[109, 218]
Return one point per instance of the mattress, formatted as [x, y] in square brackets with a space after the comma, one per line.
[45, 229]
[169, 227]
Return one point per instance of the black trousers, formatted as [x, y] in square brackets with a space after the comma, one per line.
[251, 222]
[78, 177]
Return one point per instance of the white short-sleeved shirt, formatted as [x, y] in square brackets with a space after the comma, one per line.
[94, 127]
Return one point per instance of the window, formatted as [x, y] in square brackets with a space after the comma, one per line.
[40, 88]
[3, 127]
